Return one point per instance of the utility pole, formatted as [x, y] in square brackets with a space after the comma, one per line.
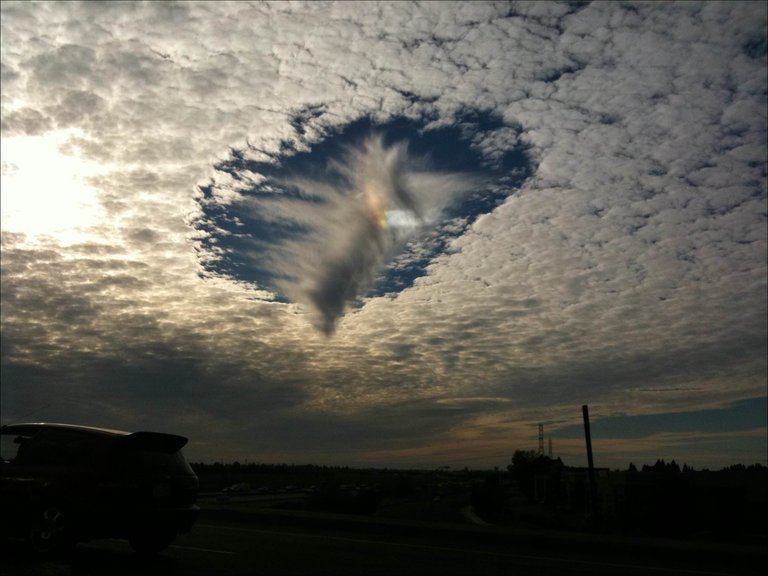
[591, 463]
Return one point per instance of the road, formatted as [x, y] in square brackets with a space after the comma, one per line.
[231, 548]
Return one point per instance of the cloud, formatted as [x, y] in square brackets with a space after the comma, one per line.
[370, 203]
[632, 256]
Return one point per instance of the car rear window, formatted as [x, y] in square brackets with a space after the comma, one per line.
[57, 447]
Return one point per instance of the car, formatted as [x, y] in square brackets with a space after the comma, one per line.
[241, 487]
[61, 484]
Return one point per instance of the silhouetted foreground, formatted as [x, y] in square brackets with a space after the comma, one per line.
[296, 542]
[315, 520]
[535, 492]
[61, 484]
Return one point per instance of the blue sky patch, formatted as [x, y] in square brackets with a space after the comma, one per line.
[242, 238]
[742, 415]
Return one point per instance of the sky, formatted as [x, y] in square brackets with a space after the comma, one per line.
[389, 234]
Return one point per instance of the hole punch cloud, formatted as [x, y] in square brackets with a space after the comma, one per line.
[363, 209]
[382, 200]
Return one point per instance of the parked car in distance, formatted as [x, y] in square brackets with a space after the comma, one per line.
[61, 484]
[241, 487]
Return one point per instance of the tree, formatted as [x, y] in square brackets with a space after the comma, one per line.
[527, 464]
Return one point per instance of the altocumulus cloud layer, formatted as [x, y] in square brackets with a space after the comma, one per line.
[622, 265]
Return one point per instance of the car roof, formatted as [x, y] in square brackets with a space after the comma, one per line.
[153, 441]
[34, 427]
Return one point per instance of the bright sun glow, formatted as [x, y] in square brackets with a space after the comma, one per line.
[46, 192]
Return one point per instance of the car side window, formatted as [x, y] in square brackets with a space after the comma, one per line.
[11, 447]
[61, 448]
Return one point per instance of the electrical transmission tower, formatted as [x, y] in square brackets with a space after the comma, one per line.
[541, 439]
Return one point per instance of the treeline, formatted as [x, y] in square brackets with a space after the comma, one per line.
[269, 468]
[219, 475]
[523, 459]
[255, 469]
[664, 498]
[673, 467]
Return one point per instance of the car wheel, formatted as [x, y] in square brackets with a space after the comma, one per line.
[50, 533]
[150, 542]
